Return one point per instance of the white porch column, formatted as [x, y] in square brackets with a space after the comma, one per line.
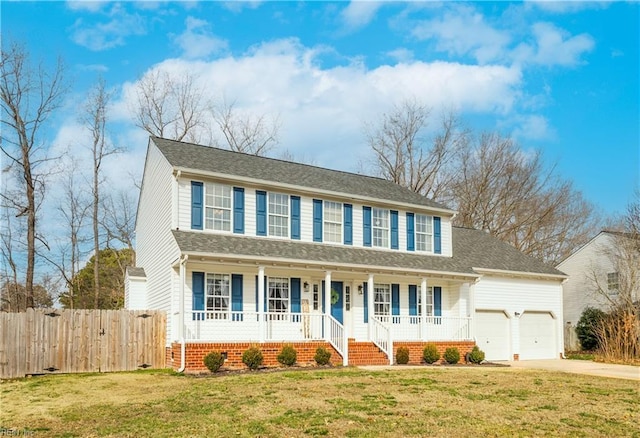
[370, 306]
[261, 315]
[327, 292]
[423, 308]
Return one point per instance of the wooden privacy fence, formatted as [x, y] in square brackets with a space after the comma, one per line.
[42, 341]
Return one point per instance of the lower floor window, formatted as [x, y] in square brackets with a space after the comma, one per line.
[218, 292]
[381, 299]
[429, 303]
[278, 294]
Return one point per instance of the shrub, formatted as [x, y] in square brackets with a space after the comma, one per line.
[287, 355]
[322, 356]
[476, 355]
[213, 361]
[587, 327]
[452, 355]
[430, 353]
[402, 356]
[252, 358]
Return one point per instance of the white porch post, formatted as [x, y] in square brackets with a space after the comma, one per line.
[370, 305]
[327, 304]
[261, 315]
[423, 308]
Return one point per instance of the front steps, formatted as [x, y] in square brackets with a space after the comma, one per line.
[366, 353]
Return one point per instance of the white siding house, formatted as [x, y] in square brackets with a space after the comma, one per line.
[242, 249]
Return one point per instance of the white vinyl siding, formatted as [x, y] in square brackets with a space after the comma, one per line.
[278, 215]
[332, 226]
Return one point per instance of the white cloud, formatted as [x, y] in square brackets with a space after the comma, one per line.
[93, 67]
[566, 7]
[359, 13]
[401, 54]
[532, 127]
[238, 5]
[553, 46]
[86, 5]
[197, 41]
[109, 34]
[464, 31]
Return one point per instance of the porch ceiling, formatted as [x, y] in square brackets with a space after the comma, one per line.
[226, 247]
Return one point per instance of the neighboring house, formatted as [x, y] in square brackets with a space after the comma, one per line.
[240, 249]
[594, 280]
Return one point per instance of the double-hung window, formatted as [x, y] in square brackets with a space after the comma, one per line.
[217, 295]
[217, 207]
[380, 227]
[424, 233]
[429, 303]
[278, 215]
[278, 294]
[613, 282]
[381, 299]
[332, 222]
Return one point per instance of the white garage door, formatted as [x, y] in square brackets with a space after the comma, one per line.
[492, 334]
[537, 336]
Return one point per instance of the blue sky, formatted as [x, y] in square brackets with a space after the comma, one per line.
[559, 76]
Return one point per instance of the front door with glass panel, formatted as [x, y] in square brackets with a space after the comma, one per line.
[337, 300]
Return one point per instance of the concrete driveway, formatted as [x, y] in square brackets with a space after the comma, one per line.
[581, 367]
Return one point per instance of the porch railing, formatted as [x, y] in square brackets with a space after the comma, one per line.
[338, 338]
[430, 328]
[381, 335]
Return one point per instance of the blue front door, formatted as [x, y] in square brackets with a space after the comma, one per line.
[336, 308]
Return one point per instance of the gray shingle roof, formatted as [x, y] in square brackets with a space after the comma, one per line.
[210, 159]
[471, 249]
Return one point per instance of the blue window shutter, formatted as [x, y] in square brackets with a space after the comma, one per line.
[411, 245]
[295, 295]
[348, 224]
[261, 213]
[295, 217]
[413, 300]
[197, 288]
[317, 220]
[437, 233]
[196, 205]
[395, 299]
[394, 230]
[365, 286]
[366, 226]
[236, 292]
[265, 293]
[437, 301]
[238, 210]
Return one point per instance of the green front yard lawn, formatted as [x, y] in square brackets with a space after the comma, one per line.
[474, 401]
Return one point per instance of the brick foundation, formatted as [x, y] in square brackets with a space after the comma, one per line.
[270, 350]
[416, 348]
[360, 353]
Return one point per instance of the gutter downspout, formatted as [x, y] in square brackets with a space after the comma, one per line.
[183, 349]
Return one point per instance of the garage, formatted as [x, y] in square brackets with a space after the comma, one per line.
[493, 334]
[537, 336]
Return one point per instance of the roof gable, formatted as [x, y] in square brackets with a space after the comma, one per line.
[214, 160]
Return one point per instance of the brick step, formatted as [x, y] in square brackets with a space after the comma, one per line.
[366, 353]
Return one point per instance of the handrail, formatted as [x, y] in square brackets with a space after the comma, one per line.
[337, 338]
[381, 336]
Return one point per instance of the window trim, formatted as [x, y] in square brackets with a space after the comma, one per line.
[326, 221]
[430, 302]
[212, 312]
[282, 281]
[613, 282]
[386, 294]
[374, 227]
[213, 207]
[416, 233]
[287, 222]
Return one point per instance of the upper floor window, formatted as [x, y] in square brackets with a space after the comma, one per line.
[217, 207]
[217, 294]
[424, 233]
[278, 215]
[381, 299]
[380, 227]
[613, 282]
[332, 222]
[278, 294]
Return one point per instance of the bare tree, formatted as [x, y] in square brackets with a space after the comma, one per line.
[94, 117]
[256, 135]
[29, 96]
[119, 222]
[403, 154]
[170, 107]
[509, 193]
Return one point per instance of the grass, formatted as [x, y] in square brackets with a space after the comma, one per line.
[580, 356]
[329, 402]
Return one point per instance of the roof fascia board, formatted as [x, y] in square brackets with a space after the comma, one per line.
[366, 268]
[308, 190]
[523, 274]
